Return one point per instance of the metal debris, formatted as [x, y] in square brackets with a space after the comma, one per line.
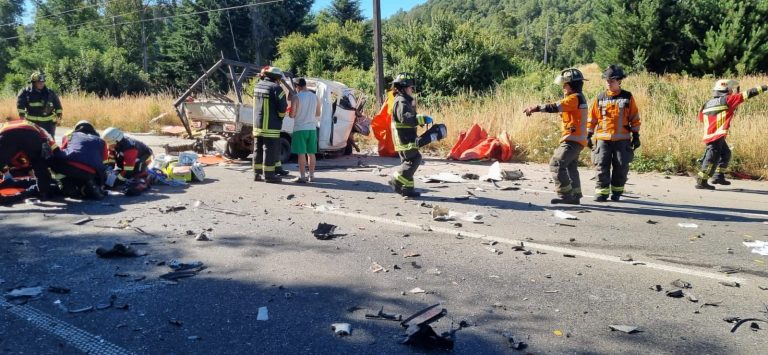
[384, 316]
[675, 293]
[326, 231]
[629, 329]
[341, 329]
[681, 284]
[117, 251]
[730, 283]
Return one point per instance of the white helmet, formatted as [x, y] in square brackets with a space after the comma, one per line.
[112, 135]
[724, 85]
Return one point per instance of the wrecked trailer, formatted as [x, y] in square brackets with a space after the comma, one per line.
[220, 118]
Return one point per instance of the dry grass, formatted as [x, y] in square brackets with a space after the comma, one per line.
[670, 132]
[131, 113]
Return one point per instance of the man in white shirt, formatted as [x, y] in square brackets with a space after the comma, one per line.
[305, 108]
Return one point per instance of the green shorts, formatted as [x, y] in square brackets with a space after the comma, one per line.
[304, 142]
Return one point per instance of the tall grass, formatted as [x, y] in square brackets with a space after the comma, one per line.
[131, 113]
[670, 132]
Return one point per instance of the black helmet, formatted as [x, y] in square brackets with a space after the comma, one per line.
[570, 75]
[404, 80]
[614, 72]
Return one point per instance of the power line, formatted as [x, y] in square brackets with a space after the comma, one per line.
[156, 18]
[65, 12]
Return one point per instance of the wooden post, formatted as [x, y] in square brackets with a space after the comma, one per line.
[378, 55]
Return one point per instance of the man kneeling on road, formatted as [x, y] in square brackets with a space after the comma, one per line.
[306, 110]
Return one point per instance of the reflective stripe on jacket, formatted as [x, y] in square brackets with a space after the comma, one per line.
[404, 122]
[269, 109]
[614, 116]
[38, 105]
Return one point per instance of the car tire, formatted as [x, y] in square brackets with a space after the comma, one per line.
[285, 149]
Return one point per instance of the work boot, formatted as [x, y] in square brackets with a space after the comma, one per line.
[616, 197]
[273, 180]
[411, 193]
[702, 184]
[282, 172]
[92, 191]
[601, 198]
[395, 186]
[566, 199]
[719, 179]
[257, 177]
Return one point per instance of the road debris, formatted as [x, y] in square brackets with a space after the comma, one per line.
[419, 333]
[412, 255]
[558, 332]
[201, 205]
[57, 289]
[194, 337]
[442, 177]
[675, 293]
[758, 247]
[692, 298]
[416, 290]
[24, 292]
[730, 283]
[341, 329]
[629, 329]
[118, 251]
[326, 231]
[470, 176]
[263, 314]
[515, 345]
[681, 284]
[175, 322]
[688, 225]
[82, 221]
[375, 268]
[202, 237]
[81, 310]
[180, 266]
[727, 269]
[569, 255]
[627, 258]
[650, 221]
[563, 215]
[494, 250]
[170, 209]
[384, 316]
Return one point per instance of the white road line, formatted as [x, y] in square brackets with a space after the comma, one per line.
[545, 247]
[76, 337]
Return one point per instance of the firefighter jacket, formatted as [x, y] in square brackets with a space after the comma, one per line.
[37, 105]
[404, 122]
[269, 109]
[86, 152]
[573, 112]
[128, 152]
[614, 116]
[717, 113]
[20, 133]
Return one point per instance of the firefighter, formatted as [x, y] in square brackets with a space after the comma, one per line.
[717, 114]
[39, 104]
[132, 157]
[24, 145]
[404, 122]
[81, 161]
[269, 106]
[573, 112]
[615, 123]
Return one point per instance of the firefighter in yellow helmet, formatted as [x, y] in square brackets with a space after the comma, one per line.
[39, 104]
[270, 105]
[573, 113]
[717, 114]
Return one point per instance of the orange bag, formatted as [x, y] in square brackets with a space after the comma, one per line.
[474, 144]
[381, 125]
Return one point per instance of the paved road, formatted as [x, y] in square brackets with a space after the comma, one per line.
[266, 256]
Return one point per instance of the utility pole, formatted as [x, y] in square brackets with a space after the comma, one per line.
[546, 42]
[144, 61]
[378, 56]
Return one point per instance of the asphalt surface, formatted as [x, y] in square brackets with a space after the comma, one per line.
[559, 297]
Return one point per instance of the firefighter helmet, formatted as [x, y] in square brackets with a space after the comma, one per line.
[614, 72]
[404, 80]
[112, 135]
[725, 85]
[569, 75]
[272, 72]
[37, 76]
[82, 123]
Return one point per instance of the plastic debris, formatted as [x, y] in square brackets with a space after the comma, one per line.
[681, 284]
[419, 332]
[470, 176]
[512, 175]
[179, 265]
[194, 337]
[28, 292]
[81, 310]
[201, 205]
[375, 268]
[494, 173]
[33, 202]
[675, 293]
[562, 215]
[263, 314]
[341, 329]
[117, 251]
[202, 237]
[417, 290]
[629, 329]
[57, 289]
[557, 332]
[730, 283]
[627, 258]
[515, 345]
[442, 177]
[758, 247]
[384, 316]
[326, 231]
[82, 221]
[688, 225]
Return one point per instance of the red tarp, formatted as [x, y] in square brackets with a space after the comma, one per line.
[381, 125]
[474, 144]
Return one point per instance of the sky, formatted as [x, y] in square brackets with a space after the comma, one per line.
[388, 7]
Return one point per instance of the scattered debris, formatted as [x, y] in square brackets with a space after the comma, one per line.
[650, 221]
[82, 221]
[412, 255]
[194, 337]
[470, 176]
[688, 225]
[627, 258]
[681, 284]
[57, 289]
[754, 326]
[263, 314]
[202, 237]
[678, 293]
[562, 215]
[462, 198]
[175, 275]
[692, 298]
[419, 332]
[169, 209]
[515, 345]
[81, 310]
[175, 322]
[727, 269]
[557, 332]
[417, 290]
[117, 251]
[494, 173]
[730, 283]
[384, 316]
[180, 266]
[764, 288]
[326, 231]
[201, 205]
[494, 250]
[375, 267]
[341, 329]
[625, 328]
[24, 292]
[442, 214]
[442, 177]
[569, 255]
[758, 247]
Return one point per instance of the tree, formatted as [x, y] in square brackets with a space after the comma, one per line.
[10, 14]
[346, 10]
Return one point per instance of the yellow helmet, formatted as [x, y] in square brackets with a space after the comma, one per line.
[568, 76]
[37, 76]
[725, 85]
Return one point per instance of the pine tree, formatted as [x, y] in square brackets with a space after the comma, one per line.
[10, 15]
[346, 10]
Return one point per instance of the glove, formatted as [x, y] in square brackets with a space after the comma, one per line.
[589, 141]
[426, 119]
[635, 140]
[528, 111]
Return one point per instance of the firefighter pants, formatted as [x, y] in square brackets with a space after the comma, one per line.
[48, 126]
[139, 169]
[266, 156]
[612, 160]
[410, 161]
[23, 149]
[716, 159]
[563, 166]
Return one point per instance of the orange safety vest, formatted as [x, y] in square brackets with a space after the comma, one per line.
[573, 112]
